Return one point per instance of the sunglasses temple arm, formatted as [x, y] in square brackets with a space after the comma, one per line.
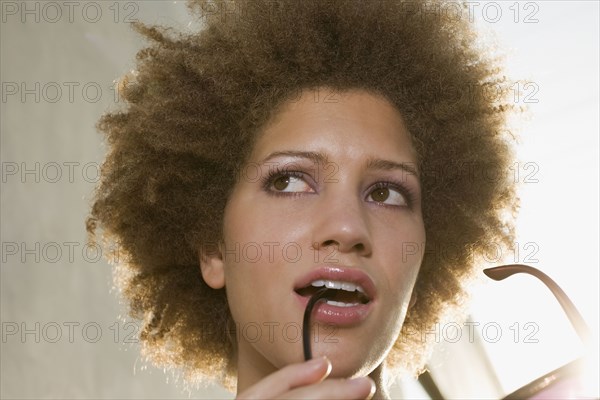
[504, 271]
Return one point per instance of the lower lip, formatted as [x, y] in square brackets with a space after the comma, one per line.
[339, 316]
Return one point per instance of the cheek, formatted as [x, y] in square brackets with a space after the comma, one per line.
[248, 262]
[249, 219]
[238, 223]
[404, 240]
[404, 250]
[238, 233]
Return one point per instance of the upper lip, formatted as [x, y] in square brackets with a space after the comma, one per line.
[339, 273]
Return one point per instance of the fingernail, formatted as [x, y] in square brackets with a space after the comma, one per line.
[328, 367]
[318, 362]
[373, 390]
[360, 382]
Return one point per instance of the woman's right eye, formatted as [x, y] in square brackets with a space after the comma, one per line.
[288, 183]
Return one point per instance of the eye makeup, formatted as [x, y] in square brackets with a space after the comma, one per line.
[407, 196]
[269, 181]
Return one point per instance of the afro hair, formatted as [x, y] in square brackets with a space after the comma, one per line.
[193, 109]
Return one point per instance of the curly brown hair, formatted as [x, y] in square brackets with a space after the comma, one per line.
[193, 110]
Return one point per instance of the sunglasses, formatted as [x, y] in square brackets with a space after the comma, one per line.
[563, 382]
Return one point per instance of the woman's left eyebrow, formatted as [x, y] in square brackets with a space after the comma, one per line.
[388, 165]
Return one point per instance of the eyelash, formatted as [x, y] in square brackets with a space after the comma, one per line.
[400, 188]
[275, 173]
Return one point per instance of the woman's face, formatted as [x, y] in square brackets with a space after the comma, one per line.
[330, 196]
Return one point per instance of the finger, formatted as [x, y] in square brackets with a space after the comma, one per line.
[335, 389]
[288, 378]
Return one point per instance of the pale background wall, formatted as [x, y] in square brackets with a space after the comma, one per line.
[71, 289]
[58, 292]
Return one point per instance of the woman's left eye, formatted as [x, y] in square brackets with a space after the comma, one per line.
[389, 195]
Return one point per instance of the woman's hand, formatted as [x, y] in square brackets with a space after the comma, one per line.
[307, 381]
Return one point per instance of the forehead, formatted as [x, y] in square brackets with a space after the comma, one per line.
[352, 123]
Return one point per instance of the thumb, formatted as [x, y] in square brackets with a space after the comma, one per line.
[288, 378]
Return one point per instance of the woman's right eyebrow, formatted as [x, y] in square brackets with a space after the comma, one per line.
[321, 159]
[314, 156]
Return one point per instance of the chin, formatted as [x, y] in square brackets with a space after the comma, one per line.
[344, 368]
[351, 360]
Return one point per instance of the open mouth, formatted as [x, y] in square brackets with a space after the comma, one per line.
[339, 293]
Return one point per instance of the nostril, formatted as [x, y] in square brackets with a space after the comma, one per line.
[335, 246]
[330, 243]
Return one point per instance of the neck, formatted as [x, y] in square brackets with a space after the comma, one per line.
[379, 377]
[251, 370]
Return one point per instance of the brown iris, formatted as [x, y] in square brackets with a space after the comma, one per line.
[380, 194]
[281, 183]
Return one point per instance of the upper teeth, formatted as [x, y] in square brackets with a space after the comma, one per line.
[350, 287]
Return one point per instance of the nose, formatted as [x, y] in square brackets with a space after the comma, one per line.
[342, 225]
